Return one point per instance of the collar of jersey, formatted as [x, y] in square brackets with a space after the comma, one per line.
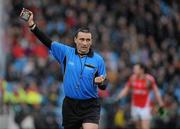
[89, 54]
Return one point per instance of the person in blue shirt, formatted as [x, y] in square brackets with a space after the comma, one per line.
[84, 72]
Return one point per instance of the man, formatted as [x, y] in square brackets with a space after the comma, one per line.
[141, 84]
[84, 71]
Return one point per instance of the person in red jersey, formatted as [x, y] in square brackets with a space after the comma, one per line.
[141, 84]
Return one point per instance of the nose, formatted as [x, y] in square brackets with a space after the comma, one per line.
[84, 42]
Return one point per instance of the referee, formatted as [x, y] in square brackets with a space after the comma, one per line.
[84, 73]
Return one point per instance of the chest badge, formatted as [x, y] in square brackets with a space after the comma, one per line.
[71, 63]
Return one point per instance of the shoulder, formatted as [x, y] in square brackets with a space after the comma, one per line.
[150, 77]
[132, 77]
[98, 57]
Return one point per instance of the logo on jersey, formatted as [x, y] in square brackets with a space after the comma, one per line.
[71, 63]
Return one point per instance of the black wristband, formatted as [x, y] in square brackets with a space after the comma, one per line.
[32, 25]
[104, 82]
[103, 85]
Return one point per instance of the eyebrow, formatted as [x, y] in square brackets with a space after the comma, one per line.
[85, 38]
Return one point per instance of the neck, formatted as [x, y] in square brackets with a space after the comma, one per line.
[82, 53]
[88, 53]
[140, 76]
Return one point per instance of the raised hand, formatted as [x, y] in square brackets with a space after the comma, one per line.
[27, 16]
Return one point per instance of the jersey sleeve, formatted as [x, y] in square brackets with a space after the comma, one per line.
[59, 51]
[102, 68]
[151, 83]
[129, 82]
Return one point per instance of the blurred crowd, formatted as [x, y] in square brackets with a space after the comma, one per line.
[125, 32]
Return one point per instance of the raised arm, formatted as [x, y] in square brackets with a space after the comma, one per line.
[37, 32]
[58, 50]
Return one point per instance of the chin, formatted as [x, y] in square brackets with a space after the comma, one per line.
[84, 51]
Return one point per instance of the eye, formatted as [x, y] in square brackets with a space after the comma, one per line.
[81, 39]
[88, 40]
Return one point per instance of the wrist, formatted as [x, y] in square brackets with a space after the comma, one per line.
[32, 26]
[161, 104]
[31, 23]
[104, 82]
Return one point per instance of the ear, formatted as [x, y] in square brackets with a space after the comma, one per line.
[91, 43]
[75, 40]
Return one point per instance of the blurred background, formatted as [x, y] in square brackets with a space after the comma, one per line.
[125, 32]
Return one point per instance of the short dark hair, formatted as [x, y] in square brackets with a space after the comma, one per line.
[84, 30]
[142, 66]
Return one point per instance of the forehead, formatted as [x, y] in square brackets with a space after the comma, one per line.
[84, 35]
[137, 67]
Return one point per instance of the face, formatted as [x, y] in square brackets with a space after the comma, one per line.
[137, 70]
[83, 42]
